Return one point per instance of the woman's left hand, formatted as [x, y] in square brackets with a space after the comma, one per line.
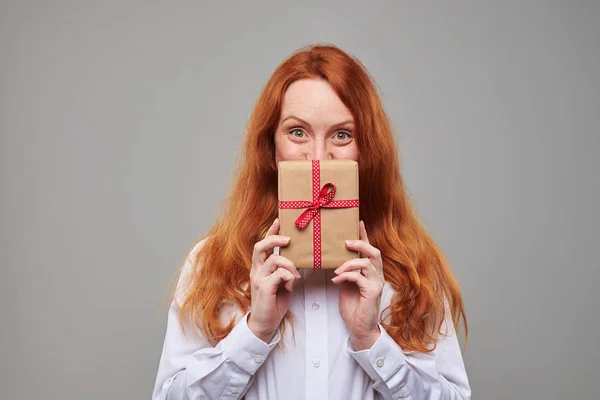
[360, 291]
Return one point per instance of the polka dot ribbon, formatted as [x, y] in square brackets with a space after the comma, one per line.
[322, 198]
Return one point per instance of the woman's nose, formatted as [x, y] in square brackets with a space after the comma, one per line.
[321, 152]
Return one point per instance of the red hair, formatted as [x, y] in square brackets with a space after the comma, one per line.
[412, 263]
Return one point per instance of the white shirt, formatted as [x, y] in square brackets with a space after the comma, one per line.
[319, 365]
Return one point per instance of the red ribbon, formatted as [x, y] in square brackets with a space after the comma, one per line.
[322, 198]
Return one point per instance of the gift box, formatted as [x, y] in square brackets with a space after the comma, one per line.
[318, 210]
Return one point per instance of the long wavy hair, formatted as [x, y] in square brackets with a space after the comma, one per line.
[425, 289]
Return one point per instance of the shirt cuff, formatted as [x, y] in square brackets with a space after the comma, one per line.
[245, 349]
[382, 360]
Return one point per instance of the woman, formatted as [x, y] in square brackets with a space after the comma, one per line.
[245, 322]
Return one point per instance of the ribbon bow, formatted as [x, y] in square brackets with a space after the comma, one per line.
[325, 197]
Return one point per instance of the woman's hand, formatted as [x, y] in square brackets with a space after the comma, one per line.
[360, 292]
[272, 280]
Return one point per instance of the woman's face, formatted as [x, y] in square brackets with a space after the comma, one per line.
[314, 124]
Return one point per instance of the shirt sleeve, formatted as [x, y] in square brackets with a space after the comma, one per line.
[190, 368]
[439, 374]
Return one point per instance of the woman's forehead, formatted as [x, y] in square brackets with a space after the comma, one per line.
[314, 99]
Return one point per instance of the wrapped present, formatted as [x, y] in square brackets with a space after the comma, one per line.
[318, 210]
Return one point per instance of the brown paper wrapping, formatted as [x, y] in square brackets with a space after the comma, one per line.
[337, 224]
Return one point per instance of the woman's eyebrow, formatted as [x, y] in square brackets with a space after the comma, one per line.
[297, 119]
[347, 122]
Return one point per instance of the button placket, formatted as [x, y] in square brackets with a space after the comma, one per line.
[316, 334]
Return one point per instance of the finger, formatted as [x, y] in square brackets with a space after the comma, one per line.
[364, 265]
[267, 244]
[362, 232]
[361, 281]
[274, 228]
[275, 261]
[364, 248]
[281, 275]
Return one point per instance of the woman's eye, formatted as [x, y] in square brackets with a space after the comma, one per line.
[342, 135]
[297, 133]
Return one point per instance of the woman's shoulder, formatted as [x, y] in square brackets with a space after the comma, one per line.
[196, 248]
[187, 270]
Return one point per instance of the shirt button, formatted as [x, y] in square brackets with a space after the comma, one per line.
[235, 390]
[315, 306]
[316, 363]
[380, 362]
[258, 359]
[402, 393]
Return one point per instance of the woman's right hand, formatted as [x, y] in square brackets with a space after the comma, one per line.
[272, 280]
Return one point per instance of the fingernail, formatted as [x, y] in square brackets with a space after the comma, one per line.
[285, 238]
[350, 242]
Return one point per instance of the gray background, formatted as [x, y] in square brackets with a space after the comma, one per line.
[114, 114]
